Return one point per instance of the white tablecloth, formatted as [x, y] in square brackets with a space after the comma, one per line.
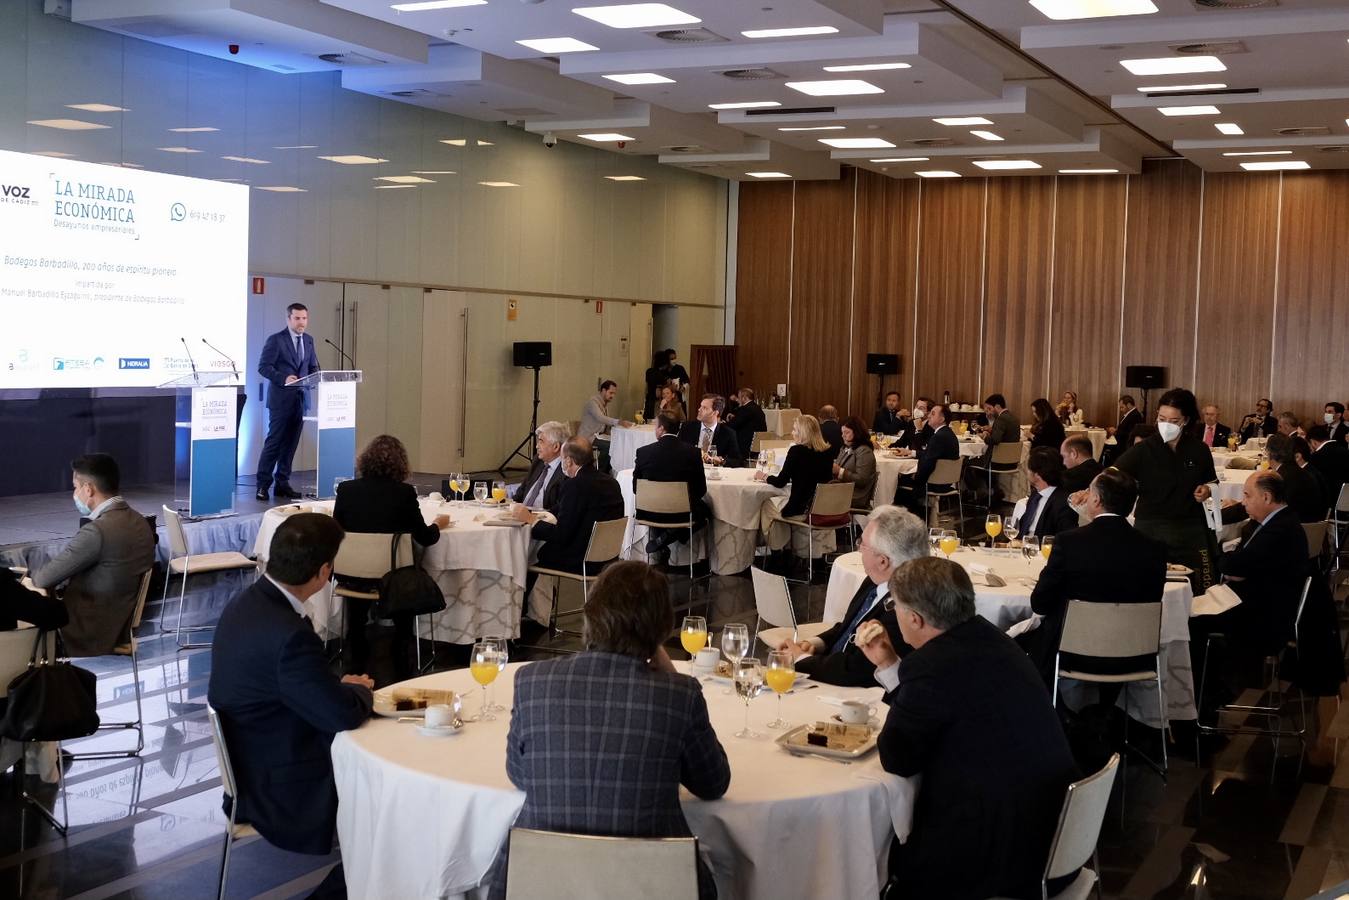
[625, 442]
[480, 569]
[889, 468]
[779, 421]
[1005, 606]
[424, 817]
[1230, 483]
[1097, 436]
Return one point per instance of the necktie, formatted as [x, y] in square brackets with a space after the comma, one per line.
[1028, 517]
[1208, 435]
[706, 441]
[846, 637]
[298, 357]
[532, 498]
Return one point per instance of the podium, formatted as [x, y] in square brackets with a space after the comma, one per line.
[330, 403]
[206, 439]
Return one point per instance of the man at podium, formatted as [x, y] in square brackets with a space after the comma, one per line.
[287, 357]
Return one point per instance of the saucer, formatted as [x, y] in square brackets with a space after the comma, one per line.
[441, 731]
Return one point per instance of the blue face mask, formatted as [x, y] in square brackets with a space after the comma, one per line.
[82, 506]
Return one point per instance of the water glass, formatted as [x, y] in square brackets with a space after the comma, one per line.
[480, 492]
[503, 657]
[748, 682]
[1030, 546]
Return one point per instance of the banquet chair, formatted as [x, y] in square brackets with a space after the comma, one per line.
[1078, 831]
[545, 865]
[1004, 460]
[773, 443]
[1339, 518]
[182, 561]
[756, 442]
[364, 559]
[605, 545]
[1116, 631]
[773, 601]
[234, 832]
[947, 472]
[828, 512]
[1316, 538]
[670, 498]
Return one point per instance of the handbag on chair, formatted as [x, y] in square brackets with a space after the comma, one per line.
[407, 590]
[52, 700]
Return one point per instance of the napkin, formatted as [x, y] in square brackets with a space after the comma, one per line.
[1217, 599]
[1025, 625]
[991, 578]
[1240, 462]
[901, 793]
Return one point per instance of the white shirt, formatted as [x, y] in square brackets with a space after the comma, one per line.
[546, 478]
[103, 507]
[295, 603]
[881, 591]
[1020, 510]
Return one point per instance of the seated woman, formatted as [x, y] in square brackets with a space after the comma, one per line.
[669, 402]
[19, 604]
[856, 462]
[1067, 407]
[380, 501]
[809, 462]
[601, 741]
[1046, 430]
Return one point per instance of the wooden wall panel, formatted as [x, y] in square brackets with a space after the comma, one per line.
[1088, 277]
[763, 283]
[821, 293]
[1311, 320]
[1161, 263]
[950, 288]
[1017, 290]
[883, 295]
[1236, 290]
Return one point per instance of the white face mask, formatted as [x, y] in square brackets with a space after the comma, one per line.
[1168, 430]
[1330, 417]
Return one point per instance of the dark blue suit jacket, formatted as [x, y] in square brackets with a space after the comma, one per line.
[942, 445]
[277, 361]
[280, 706]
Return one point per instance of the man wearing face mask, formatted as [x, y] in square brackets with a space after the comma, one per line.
[915, 432]
[1174, 470]
[1334, 419]
[103, 564]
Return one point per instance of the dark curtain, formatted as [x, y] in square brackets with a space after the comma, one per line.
[712, 370]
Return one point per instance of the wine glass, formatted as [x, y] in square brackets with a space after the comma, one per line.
[780, 675]
[934, 538]
[503, 657]
[458, 485]
[1009, 528]
[735, 644]
[993, 528]
[693, 636]
[949, 543]
[1046, 546]
[748, 681]
[1030, 546]
[484, 666]
[498, 491]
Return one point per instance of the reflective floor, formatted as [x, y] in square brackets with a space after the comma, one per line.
[1249, 823]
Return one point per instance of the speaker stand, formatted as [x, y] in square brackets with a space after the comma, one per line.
[527, 443]
[880, 391]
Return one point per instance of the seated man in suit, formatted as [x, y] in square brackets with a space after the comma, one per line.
[890, 418]
[670, 459]
[969, 713]
[1079, 466]
[1303, 491]
[708, 434]
[749, 419]
[1105, 561]
[1331, 459]
[830, 428]
[1334, 419]
[1129, 419]
[1046, 512]
[911, 491]
[543, 484]
[893, 536]
[588, 496]
[1289, 424]
[1215, 433]
[1260, 423]
[1003, 426]
[279, 703]
[915, 433]
[103, 563]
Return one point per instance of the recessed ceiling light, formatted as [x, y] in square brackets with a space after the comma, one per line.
[606, 137]
[557, 45]
[55, 154]
[297, 147]
[963, 120]
[856, 143]
[1088, 171]
[482, 143]
[750, 104]
[97, 107]
[637, 15]
[354, 159]
[434, 172]
[813, 128]
[1174, 65]
[937, 173]
[986, 135]
[1228, 127]
[868, 67]
[641, 78]
[248, 159]
[1154, 88]
[199, 128]
[1188, 110]
[625, 177]
[841, 87]
[899, 159]
[790, 32]
[498, 184]
[392, 187]
[1260, 153]
[999, 165]
[425, 5]
[1281, 165]
[1061, 10]
[768, 175]
[404, 179]
[455, 142]
[283, 189]
[67, 124]
[178, 149]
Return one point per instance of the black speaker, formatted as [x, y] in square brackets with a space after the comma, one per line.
[882, 363]
[1144, 376]
[529, 354]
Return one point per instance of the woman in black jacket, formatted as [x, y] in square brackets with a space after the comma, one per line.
[1047, 430]
[809, 463]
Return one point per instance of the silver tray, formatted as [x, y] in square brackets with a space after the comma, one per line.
[802, 749]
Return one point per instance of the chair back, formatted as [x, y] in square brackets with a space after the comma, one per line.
[222, 753]
[1112, 630]
[173, 524]
[773, 443]
[831, 500]
[16, 649]
[772, 599]
[1342, 500]
[661, 496]
[1080, 821]
[756, 442]
[606, 538]
[787, 419]
[1316, 537]
[1006, 453]
[947, 471]
[547, 864]
[1301, 605]
[367, 555]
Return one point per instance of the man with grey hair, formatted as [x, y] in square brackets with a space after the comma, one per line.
[544, 481]
[968, 712]
[893, 536]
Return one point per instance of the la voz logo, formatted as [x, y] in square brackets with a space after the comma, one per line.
[17, 193]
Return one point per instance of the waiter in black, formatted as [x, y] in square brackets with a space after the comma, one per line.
[287, 357]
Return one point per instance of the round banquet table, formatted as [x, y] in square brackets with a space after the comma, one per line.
[780, 421]
[1097, 436]
[425, 816]
[1005, 606]
[479, 568]
[625, 442]
[1230, 483]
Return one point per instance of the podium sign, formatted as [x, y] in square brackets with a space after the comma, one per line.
[207, 442]
[336, 434]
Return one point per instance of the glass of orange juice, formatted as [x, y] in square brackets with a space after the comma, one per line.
[780, 675]
[498, 491]
[1046, 545]
[949, 543]
[993, 528]
[693, 636]
[484, 666]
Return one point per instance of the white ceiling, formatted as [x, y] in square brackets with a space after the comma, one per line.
[1055, 91]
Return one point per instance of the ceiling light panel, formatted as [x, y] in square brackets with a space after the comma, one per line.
[963, 120]
[178, 149]
[901, 159]
[404, 179]
[502, 184]
[551, 46]
[937, 173]
[804, 31]
[606, 137]
[625, 177]
[1177, 88]
[354, 159]
[1188, 110]
[768, 175]
[751, 104]
[640, 78]
[813, 128]
[428, 5]
[283, 189]
[67, 124]
[869, 67]
[1006, 165]
[248, 159]
[1174, 65]
[637, 15]
[392, 187]
[857, 143]
[1260, 153]
[196, 129]
[97, 107]
[1065, 10]
[1280, 166]
[839, 87]
[1228, 128]
[986, 135]
[1088, 171]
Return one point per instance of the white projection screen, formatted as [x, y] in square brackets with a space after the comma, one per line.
[111, 277]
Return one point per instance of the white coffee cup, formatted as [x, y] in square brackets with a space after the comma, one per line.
[853, 712]
[706, 660]
[440, 715]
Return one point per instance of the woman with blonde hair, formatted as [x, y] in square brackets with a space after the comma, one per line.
[809, 462]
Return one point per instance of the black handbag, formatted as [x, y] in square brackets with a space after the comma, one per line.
[407, 590]
[51, 700]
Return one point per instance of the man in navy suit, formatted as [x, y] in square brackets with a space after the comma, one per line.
[710, 435]
[287, 357]
[943, 444]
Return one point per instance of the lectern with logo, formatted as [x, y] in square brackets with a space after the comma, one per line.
[206, 438]
[331, 406]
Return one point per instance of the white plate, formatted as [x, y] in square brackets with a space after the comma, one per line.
[442, 731]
